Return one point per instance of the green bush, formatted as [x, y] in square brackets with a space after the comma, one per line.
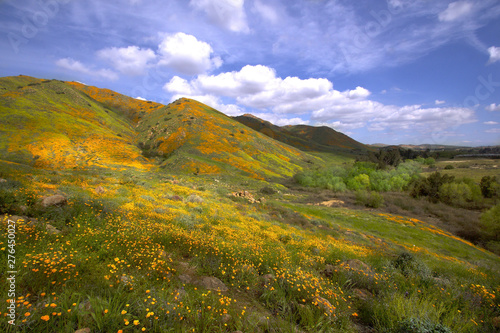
[491, 222]
[369, 199]
[449, 167]
[413, 325]
[489, 186]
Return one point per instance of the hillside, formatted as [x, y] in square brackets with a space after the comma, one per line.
[54, 124]
[304, 137]
[111, 226]
[191, 136]
[49, 124]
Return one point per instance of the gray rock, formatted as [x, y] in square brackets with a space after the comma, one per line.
[212, 283]
[54, 200]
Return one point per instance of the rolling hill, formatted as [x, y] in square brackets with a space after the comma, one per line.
[55, 124]
[304, 137]
[115, 231]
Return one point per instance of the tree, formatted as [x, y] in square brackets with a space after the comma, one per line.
[488, 187]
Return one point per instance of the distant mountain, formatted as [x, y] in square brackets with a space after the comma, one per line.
[304, 137]
[58, 125]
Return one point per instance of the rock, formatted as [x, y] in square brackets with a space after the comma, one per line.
[358, 265]
[262, 200]
[54, 200]
[194, 198]
[329, 270]
[267, 278]
[362, 294]
[226, 318]
[99, 190]
[52, 230]
[184, 278]
[83, 330]
[212, 283]
[323, 304]
[175, 198]
[23, 208]
[3, 180]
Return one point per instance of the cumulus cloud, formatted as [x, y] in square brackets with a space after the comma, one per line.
[228, 14]
[494, 53]
[455, 11]
[186, 54]
[490, 123]
[76, 66]
[259, 87]
[141, 98]
[130, 60]
[438, 102]
[493, 107]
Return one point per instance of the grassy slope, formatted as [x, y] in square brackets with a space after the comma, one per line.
[126, 252]
[193, 137]
[304, 137]
[48, 124]
[122, 258]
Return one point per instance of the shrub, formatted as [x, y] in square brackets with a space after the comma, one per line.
[449, 167]
[410, 266]
[414, 325]
[369, 199]
[488, 186]
[491, 221]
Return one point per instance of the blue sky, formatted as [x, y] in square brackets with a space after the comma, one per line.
[394, 71]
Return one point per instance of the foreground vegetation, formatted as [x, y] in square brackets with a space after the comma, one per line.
[135, 246]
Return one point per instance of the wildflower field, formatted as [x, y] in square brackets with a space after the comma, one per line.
[122, 215]
[130, 258]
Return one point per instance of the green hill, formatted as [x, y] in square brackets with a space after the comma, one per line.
[304, 137]
[110, 225]
[54, 124]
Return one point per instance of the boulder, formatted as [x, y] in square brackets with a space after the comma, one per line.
[52, 230]
[99, 190]
[212, 283]
[358, 265]
[83, 330]
[194, 198]
[329, 270]
[54, 200]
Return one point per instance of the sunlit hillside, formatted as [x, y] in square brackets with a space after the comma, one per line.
[132, 216]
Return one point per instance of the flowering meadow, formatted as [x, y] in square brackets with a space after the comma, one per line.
[131, 256]
[132, 216]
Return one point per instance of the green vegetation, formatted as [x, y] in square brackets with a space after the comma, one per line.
[176, 231]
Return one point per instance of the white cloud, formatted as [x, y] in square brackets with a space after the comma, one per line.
[493, 130]
[455, 10]
[179, 86]
[258, 87]
[76, 66]
[130, 60]
[265, 11]
[490, 123]
[494, 53]
[186, 54]
[141, 98]
[228, 14]
[493, 107]
[438, 102]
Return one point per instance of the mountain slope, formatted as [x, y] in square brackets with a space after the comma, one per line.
[304, 137]
[55, 124]
[49, 124]
[196, 138]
